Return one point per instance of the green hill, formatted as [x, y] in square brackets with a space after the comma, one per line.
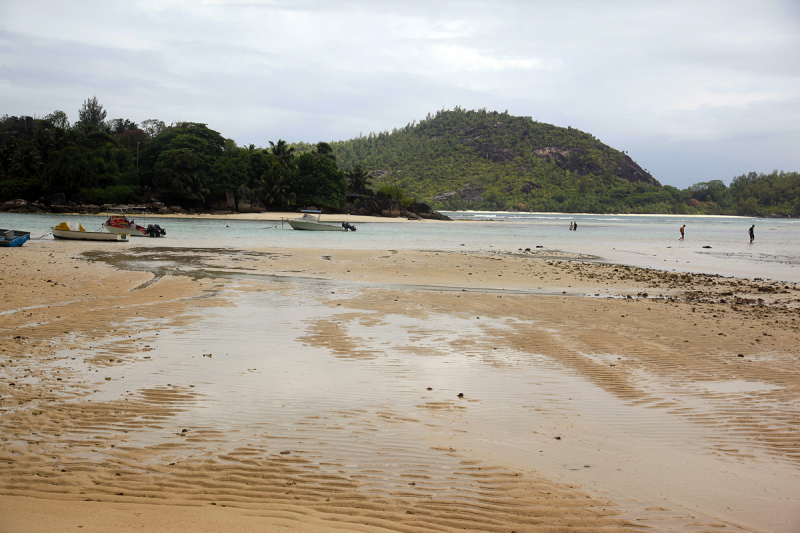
[454, 160]
[461, 159]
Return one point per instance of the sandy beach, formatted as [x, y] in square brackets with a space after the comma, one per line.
[277, 216]
[161, 389]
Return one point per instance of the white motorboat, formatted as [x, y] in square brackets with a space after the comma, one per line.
[118, 222]
[65, 231]
[310, 222]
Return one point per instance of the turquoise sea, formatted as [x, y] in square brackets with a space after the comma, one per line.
[714, 245]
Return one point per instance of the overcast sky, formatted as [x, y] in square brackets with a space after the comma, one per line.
[694, 90]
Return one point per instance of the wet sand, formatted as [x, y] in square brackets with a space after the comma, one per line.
[237, 390]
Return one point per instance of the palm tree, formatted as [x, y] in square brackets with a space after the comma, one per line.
[274, 188]
[324, 150]
[7, 151]
[26, 161]
[358, 179]
[285, 155]
[44, 143]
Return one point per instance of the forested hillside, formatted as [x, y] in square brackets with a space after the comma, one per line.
[455, 160]
[460, 159]
[482, 159]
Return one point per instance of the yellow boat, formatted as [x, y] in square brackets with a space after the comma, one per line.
[65, 231]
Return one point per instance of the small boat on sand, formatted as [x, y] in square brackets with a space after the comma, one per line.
[65, 231]
[310, 222]
[11, 237]
[118, 222]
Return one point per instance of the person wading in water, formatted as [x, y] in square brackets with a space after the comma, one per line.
[682, 228]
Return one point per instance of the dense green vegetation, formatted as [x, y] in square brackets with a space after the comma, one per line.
[186, 164]
[485, 160]
[453, 160]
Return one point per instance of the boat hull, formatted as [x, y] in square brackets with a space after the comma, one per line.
[89, 235]
[13, 238]
[313, 226]
[120, 230]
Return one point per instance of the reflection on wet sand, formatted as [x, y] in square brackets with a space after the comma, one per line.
[357, 390]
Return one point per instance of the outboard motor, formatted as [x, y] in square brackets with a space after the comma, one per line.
[348, 227]
[154, 230]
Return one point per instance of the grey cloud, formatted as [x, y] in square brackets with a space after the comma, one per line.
[660, 80]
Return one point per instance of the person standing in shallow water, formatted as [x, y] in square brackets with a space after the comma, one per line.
[682, 229]
[752, 232]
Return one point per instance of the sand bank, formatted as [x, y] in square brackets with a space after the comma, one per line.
[276, 217]
[335, 218]
[294, 390]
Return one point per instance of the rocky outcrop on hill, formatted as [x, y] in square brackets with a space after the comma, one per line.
[629, 170]
[577, 160]
[18, 127]
[529, 186]
[495, 152]
[520, 162]
[580, 161]
[469, 193]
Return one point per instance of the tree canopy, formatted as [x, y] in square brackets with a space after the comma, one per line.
[92, 113]
[455, 159]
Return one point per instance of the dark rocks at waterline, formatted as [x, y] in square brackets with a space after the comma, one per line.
[243, 200]
[382, 205]
[47, 206]
[425, 211]
[373, 205]
[23, 206]
[58, 198]
[246, 201]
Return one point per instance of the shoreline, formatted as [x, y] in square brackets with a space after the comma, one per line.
[607, 214]
[77, 439]
[711, 247]
[269, 216]
[341, 217]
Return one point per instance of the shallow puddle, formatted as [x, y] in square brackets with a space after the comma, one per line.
[395, 399]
